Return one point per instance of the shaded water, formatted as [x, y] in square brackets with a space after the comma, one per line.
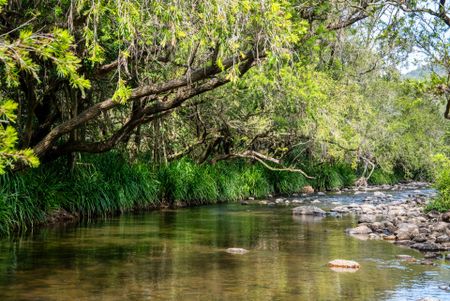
[179, 255]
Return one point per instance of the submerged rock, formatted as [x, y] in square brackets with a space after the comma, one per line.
[363, 229]
[239, 251]
[308, 210]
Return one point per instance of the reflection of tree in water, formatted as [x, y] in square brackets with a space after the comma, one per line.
[172, 255]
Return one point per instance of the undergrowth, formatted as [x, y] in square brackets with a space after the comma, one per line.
[106, 184]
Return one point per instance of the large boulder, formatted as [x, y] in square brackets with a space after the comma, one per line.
[406, 231]
[308, 210]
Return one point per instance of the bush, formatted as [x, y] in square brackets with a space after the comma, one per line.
[442, 184]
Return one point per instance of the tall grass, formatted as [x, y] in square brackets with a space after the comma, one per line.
[107, 184]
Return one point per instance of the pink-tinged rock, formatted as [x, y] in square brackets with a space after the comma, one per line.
[341, 265]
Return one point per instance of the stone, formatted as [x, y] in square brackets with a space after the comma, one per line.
[363, 229]
[308, 210]
[341, 209]
[373, 236]
[250, 198]
[420, 238]
[440, 226]
[263, 202]
[321, 193]
[315, 202]
[408, 258]
[342, 263]
[239, 251]
[428, 299]
[366, 218]
[244, 203]
[446, 217]
[389, 237]
[379, 194]
[376, 227]
[406, 231]
[279, 201]
[308, 189]
[442, 238]
[426, 246]
[295, 201]
[430, 255]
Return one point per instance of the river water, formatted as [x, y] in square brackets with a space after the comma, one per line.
[180, 255]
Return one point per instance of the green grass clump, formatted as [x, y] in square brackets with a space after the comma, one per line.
[379, 177]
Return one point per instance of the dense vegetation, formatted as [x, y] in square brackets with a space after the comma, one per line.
[215, 100]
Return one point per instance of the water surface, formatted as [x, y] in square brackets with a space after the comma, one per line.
[179, 255]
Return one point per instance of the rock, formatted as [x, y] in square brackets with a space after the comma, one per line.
[406, 231]
[427, 262]
[335, 203]
[420, 238]
[239, 251]
[379, 194]
[442, 238]
[426, 246]
[250, 198]
[440, 227]
[295, 201]
[308, 210]
[407, 258]
[376, 227]
[287, 202]
[321, 193]
[366, 218]
[373, 236]
[279, 201]
[428, 299]
[444, 287]
[363, 229]
[341, 209]
[315, 202]
[308, 189]
[446, 217]
[263, 202]
[389, 237]
[342, 263]
[430, 255]
[244, 203]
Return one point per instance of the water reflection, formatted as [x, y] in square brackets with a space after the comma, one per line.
[179, 255]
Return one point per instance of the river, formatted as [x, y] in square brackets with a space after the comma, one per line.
[180, 255]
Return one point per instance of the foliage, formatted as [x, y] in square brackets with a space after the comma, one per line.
[442, 184]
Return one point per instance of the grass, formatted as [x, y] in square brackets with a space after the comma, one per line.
[107, 184]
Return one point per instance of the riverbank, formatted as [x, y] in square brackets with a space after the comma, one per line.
[109, 184]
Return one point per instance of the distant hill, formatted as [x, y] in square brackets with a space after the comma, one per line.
[423, 72]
